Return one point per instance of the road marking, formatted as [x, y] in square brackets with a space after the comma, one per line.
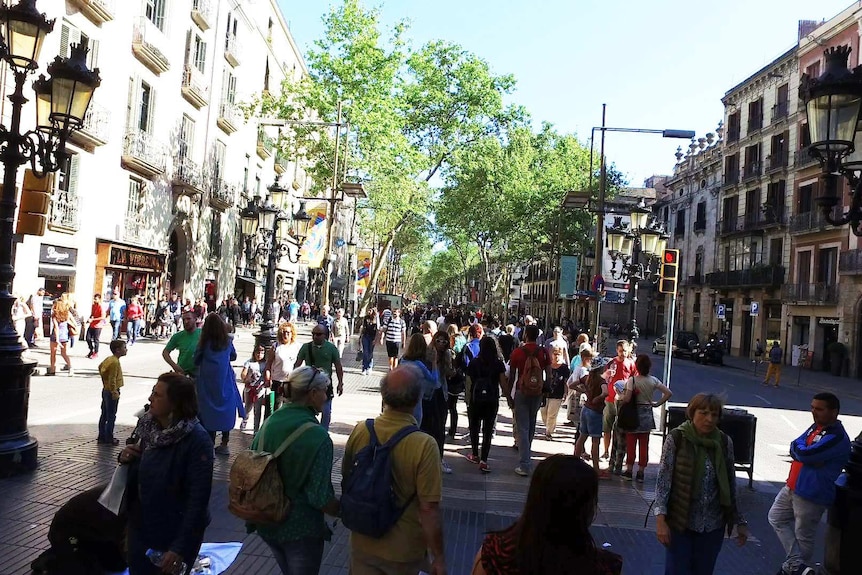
[785, 418]
[764, 400]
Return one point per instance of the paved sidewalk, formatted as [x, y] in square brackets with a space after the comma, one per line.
[70, 461]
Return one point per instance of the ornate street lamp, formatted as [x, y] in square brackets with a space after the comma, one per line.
[62, 100]
[832, 104]
[271, 231]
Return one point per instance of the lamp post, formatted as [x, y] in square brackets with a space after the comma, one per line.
[627, 243]
[276, 231]
[62, 100]
[832, 102]
[603, 183]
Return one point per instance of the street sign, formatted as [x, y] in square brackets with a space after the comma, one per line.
[755, 309]
[720, 310]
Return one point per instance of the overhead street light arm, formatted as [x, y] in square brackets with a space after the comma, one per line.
[681, 134]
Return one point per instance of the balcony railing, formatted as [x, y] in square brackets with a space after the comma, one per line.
[222, 194]
[780, 110]
[777, 161]
[229, 117]
[759, 276]
[730, 178]
[751, 171]
[247, 273]
[817, 293]
[143, 153]
[803, 158]
[695, 280]
[146, 43]
[202, 13]
[850, 262]
[64, 211]
[281, 164]
[752, 221]
[195, 88]
[134, 227]
[232, 48]
[755, 123]
[94, 132]
[97, 11]
[813, 221]
[188, 177]
[265, 145]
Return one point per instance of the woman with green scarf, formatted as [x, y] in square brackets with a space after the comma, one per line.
[696, 491]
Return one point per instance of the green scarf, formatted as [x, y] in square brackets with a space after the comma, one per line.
[708, 445]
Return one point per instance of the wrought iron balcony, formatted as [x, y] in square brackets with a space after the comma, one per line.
[850, 262]
[751, 171]
[730, 178]
[195, 88]
[222, 194]
[146, 43]
[134, 227]
[816, 293]
[97, 11]
[188, 177]
[142, 153]
[94, 132]
[64, 212]
[247, 273]
[777, 161]
[230, 117]
[803, 158]
[202, 13]
[232, 48]
[813, 221]
[780, 110]
[281, 164]
[753, 221]
[759, 276]
[265, 145]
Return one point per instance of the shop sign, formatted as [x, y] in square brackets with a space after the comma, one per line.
[121, 257]
[828, 321]
[58, 255]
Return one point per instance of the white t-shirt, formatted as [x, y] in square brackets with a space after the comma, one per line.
[285, 357]
[579, 373]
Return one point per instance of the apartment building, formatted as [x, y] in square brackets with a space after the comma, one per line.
[752, 242]
[148, 202]
[689, 208]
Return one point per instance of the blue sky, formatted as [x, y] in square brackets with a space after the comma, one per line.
[656, 64]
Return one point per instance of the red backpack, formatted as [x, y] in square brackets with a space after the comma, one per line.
[531, 378]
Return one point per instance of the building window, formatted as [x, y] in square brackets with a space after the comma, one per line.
[776, 251]
[813, 70]
[64, 201]
[135, 201]
[700, 220]
[696, 307]
[187, 137]
[199, 53]
[733, 123]
[215, 235]
[155, 12]
[229, 88]
[145, 107]
[69, 35]
[679, 229]
[755, 115]
[219, 154]
[827, 266]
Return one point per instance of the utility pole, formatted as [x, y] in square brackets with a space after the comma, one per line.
[330, 215]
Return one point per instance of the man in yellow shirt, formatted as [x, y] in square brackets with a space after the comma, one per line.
[112, 380]
[417, 476]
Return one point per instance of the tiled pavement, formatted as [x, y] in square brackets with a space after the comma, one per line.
[70, 461]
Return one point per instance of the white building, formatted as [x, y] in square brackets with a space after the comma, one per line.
[149, 200]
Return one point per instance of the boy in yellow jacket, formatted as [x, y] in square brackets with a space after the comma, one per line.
[112, 381]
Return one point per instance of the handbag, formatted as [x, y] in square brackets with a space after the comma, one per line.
[72, 327]
[627, 413]
[113, 498]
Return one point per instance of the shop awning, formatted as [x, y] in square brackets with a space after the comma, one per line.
[253, 281]
[56, 270]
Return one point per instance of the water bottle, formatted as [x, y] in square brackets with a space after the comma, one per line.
[155, 558]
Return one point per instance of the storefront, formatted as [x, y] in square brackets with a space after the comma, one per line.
[131, 270]
[57, 266]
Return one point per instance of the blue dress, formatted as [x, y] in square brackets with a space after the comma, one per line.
[219, 400]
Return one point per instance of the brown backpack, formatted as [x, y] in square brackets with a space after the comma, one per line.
[256, 492]
[531, 380]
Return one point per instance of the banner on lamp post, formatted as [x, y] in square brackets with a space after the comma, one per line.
[314, 247]
[568, 275]
[616, 290]
[363, 271]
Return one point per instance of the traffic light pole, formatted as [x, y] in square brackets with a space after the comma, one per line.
[668, 353]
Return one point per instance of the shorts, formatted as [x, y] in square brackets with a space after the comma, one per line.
[591, 422]
[609, 416]
[392, 348]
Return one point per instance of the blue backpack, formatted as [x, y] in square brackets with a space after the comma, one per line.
[368, 502]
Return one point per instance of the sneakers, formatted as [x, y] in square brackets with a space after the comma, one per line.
[473, 458]
[627, 474]
[483, 467]
[222, 450]
[640, 476]
[521, 471]
[446, 468]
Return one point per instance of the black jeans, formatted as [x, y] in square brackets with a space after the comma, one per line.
[434, 418]
[93, 335]
[482, 415]
[452, 406]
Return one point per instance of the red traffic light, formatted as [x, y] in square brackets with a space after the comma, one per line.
[670, 256]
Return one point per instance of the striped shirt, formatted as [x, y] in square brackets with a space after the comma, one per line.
[395, 329]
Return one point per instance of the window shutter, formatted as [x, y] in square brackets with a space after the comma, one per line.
[132, 103]
[93, 56]
[72, 191]
[64, 41]
[152, 110]
[188, 48]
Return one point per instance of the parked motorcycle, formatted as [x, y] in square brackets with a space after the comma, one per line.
[711, 352]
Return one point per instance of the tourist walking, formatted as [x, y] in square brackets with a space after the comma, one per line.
[322, 354]
[486, 376]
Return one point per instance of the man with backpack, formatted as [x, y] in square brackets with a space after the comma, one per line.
[529, 369]
[388, 455]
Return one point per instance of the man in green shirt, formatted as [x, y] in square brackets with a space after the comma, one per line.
[323, 355]
[186, 342]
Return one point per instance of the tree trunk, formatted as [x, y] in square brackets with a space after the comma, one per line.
[377, 266]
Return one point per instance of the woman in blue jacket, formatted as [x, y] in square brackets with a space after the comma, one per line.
[219, 400]
[170, 479]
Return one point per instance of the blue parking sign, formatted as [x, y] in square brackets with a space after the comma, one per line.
[755, 309]
[720, 311]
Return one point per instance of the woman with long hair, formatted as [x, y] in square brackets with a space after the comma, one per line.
[434, 408]
[367, 335]
[486, 376]
[416, 353]
[256, 392]
[553, 533]
[61, 319]
[219, 400]
[280, 361]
